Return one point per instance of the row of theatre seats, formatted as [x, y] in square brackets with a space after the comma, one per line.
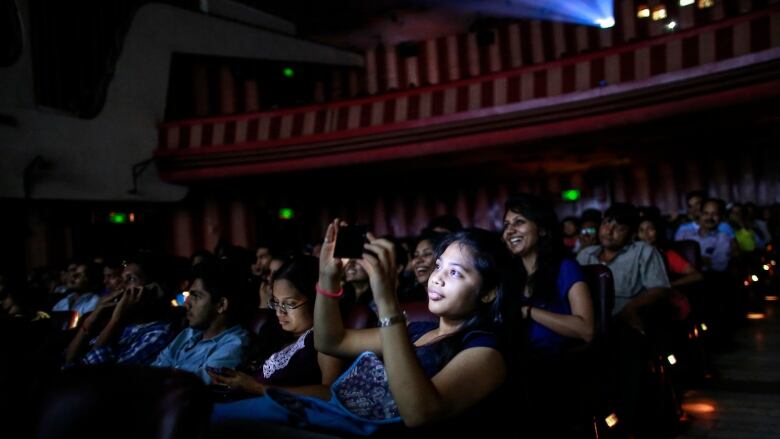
[166, 404]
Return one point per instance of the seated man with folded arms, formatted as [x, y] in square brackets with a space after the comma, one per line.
[216, 307]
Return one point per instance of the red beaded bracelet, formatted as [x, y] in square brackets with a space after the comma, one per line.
[335, 295]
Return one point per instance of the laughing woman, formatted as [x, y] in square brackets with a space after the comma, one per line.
[557, 312]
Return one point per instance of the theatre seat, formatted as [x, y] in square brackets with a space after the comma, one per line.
[688, 249]
[124, 402]
[602, 291]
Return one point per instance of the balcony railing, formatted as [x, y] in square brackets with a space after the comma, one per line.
[310, 133]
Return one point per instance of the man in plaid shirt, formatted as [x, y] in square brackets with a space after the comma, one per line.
[135, 333]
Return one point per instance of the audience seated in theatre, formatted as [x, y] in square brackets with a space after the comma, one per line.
[131, 325]
[412, 375]
[717, 247]
[695, 202]
[84, 285]
[681, 272]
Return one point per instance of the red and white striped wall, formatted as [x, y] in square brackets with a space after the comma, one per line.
[675, 53]
[753, 176]
[528, 42]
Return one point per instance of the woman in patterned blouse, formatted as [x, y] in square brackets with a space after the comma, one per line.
[297, 367]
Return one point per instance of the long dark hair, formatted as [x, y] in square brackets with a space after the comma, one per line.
[542, 284]
[492, 260]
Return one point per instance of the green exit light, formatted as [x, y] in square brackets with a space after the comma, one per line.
[570, 195]
[117, 218]
[288, 72]
[286, 213]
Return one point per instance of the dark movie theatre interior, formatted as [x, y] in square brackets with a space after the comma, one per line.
[390, 219]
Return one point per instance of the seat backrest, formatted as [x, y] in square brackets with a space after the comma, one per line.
[121, 401]
[602, 290]
[690, 250]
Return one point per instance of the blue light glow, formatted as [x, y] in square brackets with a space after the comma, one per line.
[591, 12]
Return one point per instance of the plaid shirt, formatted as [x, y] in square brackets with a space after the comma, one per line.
[138, 344]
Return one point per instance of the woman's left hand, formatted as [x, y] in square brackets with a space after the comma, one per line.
[237, 380]
[379, 263]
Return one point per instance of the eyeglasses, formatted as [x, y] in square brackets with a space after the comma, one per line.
[283, 307]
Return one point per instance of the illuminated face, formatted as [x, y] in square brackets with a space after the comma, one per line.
[423, 261]
[201, 310]
[520, 234]
[614, 236]
[293, 309]
[647, 232]
[710, 216]
[454, 285]
[353, 272]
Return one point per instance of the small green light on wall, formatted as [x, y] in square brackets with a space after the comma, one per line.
[286, 213]
[571, 195]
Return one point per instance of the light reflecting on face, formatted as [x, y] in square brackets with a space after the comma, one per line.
[423, 261]
[454, 285]
[292, 308]
[201, 311]
[521, 235]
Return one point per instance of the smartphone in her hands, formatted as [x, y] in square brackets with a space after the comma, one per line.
[350, 241]
[215, 370]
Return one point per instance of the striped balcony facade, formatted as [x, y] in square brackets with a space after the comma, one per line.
[307, 134]
[528, 42]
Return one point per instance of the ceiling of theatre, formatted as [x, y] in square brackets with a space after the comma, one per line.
[362, 24]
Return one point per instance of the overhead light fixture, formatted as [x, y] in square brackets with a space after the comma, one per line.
[659, 12]
[642, 11]
[671, 25]
[705, 4]
[687, 2]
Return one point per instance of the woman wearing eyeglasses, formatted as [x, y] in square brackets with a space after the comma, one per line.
[297, 367]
